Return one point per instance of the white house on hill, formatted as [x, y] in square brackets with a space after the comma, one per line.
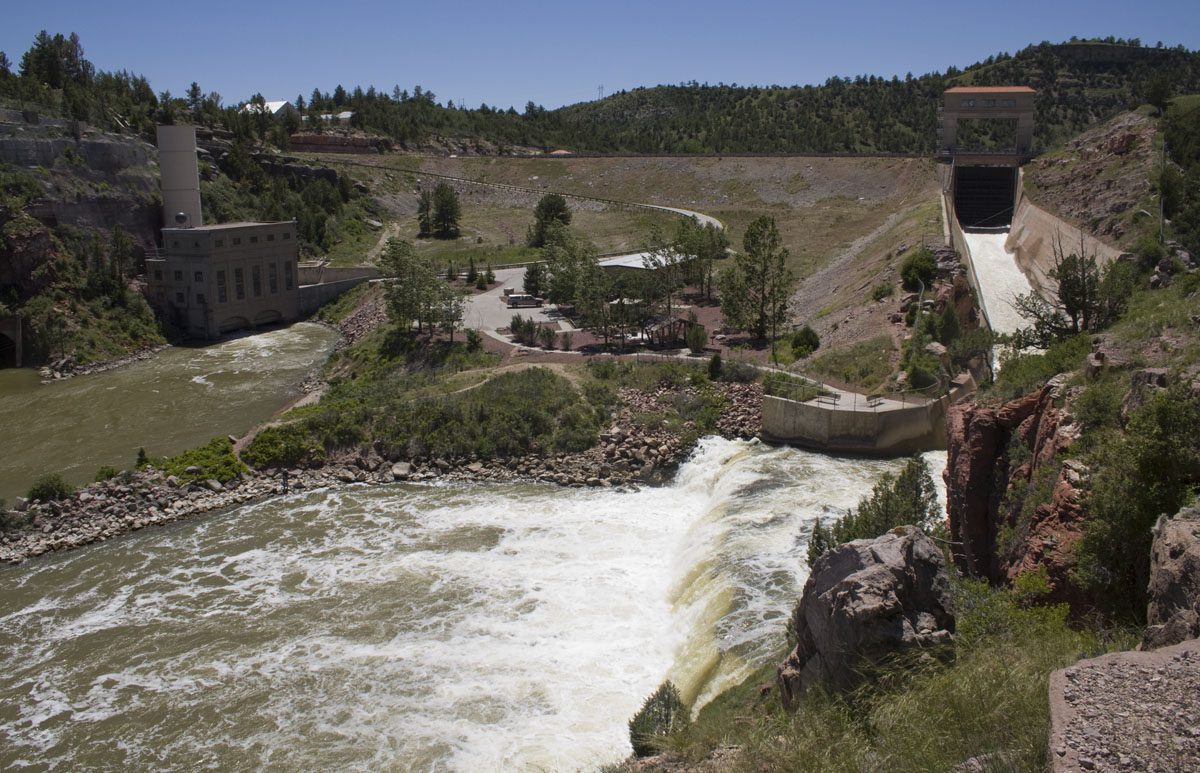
[274, 108]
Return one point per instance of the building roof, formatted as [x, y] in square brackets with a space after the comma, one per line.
[991, 90]
[229, 226]
[632, 260]
[274, 107]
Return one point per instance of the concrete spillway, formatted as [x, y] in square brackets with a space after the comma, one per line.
[1000, 280]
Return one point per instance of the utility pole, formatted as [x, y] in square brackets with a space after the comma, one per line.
[600, 91]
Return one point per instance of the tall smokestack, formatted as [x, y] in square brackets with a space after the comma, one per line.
[180, 176]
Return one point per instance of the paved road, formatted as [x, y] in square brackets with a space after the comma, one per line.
[703, 218]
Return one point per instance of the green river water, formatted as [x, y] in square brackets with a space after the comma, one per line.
[177, 399]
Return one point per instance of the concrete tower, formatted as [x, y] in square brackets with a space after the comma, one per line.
[180, 176]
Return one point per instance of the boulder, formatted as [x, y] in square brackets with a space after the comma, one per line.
[401, 470]
[1173, 612]
[865, 602]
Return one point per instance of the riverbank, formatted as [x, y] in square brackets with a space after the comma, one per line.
[626, 455]
[65, 368]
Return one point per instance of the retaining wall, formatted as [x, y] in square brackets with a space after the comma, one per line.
[1033, 236]
[313, 297]
[884, 432]
[314, 275]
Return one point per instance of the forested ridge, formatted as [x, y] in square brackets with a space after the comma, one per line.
[1078, 83]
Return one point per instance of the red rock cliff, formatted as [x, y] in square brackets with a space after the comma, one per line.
[1005, 477]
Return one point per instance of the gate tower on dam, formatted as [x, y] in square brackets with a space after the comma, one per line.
[982, 182]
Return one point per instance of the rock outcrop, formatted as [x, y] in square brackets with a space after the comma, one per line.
[1173, 614]
[998, 457]
[1127, 711]
[865, 602]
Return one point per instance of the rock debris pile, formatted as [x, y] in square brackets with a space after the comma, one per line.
[1128, 711]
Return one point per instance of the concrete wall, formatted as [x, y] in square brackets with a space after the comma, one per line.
[959, 243]
[313, 297]
[313, 275]
[894, 432]
[1032, 238]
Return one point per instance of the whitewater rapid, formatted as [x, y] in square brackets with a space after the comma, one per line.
[447, 627]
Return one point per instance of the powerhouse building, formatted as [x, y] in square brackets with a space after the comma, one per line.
[214, 279]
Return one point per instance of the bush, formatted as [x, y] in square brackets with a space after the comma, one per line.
[50, 488]
[918, 268]
[663, 713]
[739, 372]
[697, 338]
[805, 342]
[907, 499]
[107, 472]
[882, 290]
[714, 367]
[1020, 374]
[474, 340]
[215, 460]
[1147, 471]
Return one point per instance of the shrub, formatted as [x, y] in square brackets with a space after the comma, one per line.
[663, 713]
[565, 338]
[739, 372]
[697, 338]
[714, 367]
[546, 337]
[1022, 373]
[805, 342]
[882, 290]
[907, 499]
[107, 472]
[474, 340]
[1147, 471]
[50, 487]
[215, 460]
[918, 268]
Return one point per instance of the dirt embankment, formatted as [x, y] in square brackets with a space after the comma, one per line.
[1101, 180]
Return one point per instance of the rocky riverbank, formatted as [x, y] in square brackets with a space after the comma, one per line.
[627, 454]
[66, 367]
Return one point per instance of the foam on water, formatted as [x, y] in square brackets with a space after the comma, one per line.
[457, 627]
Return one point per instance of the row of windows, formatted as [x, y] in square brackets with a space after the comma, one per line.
[990, 102]
[239, 281]
[237, 240]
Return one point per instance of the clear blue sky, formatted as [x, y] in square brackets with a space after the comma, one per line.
[507, 53]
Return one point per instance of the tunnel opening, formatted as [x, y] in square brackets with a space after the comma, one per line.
[8, 352]
[984, 195]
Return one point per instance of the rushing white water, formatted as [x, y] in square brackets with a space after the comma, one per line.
[457, 627]
[1000, 279]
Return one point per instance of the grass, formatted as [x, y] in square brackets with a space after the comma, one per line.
[342, 306]
[866, 365]
[821, 204]
[992, 700]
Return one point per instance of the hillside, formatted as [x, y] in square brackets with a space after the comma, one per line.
[1078, 83]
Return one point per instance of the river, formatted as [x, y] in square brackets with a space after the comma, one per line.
[414, 627]
[180, 398]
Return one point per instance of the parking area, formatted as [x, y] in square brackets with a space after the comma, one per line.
[489, 311]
